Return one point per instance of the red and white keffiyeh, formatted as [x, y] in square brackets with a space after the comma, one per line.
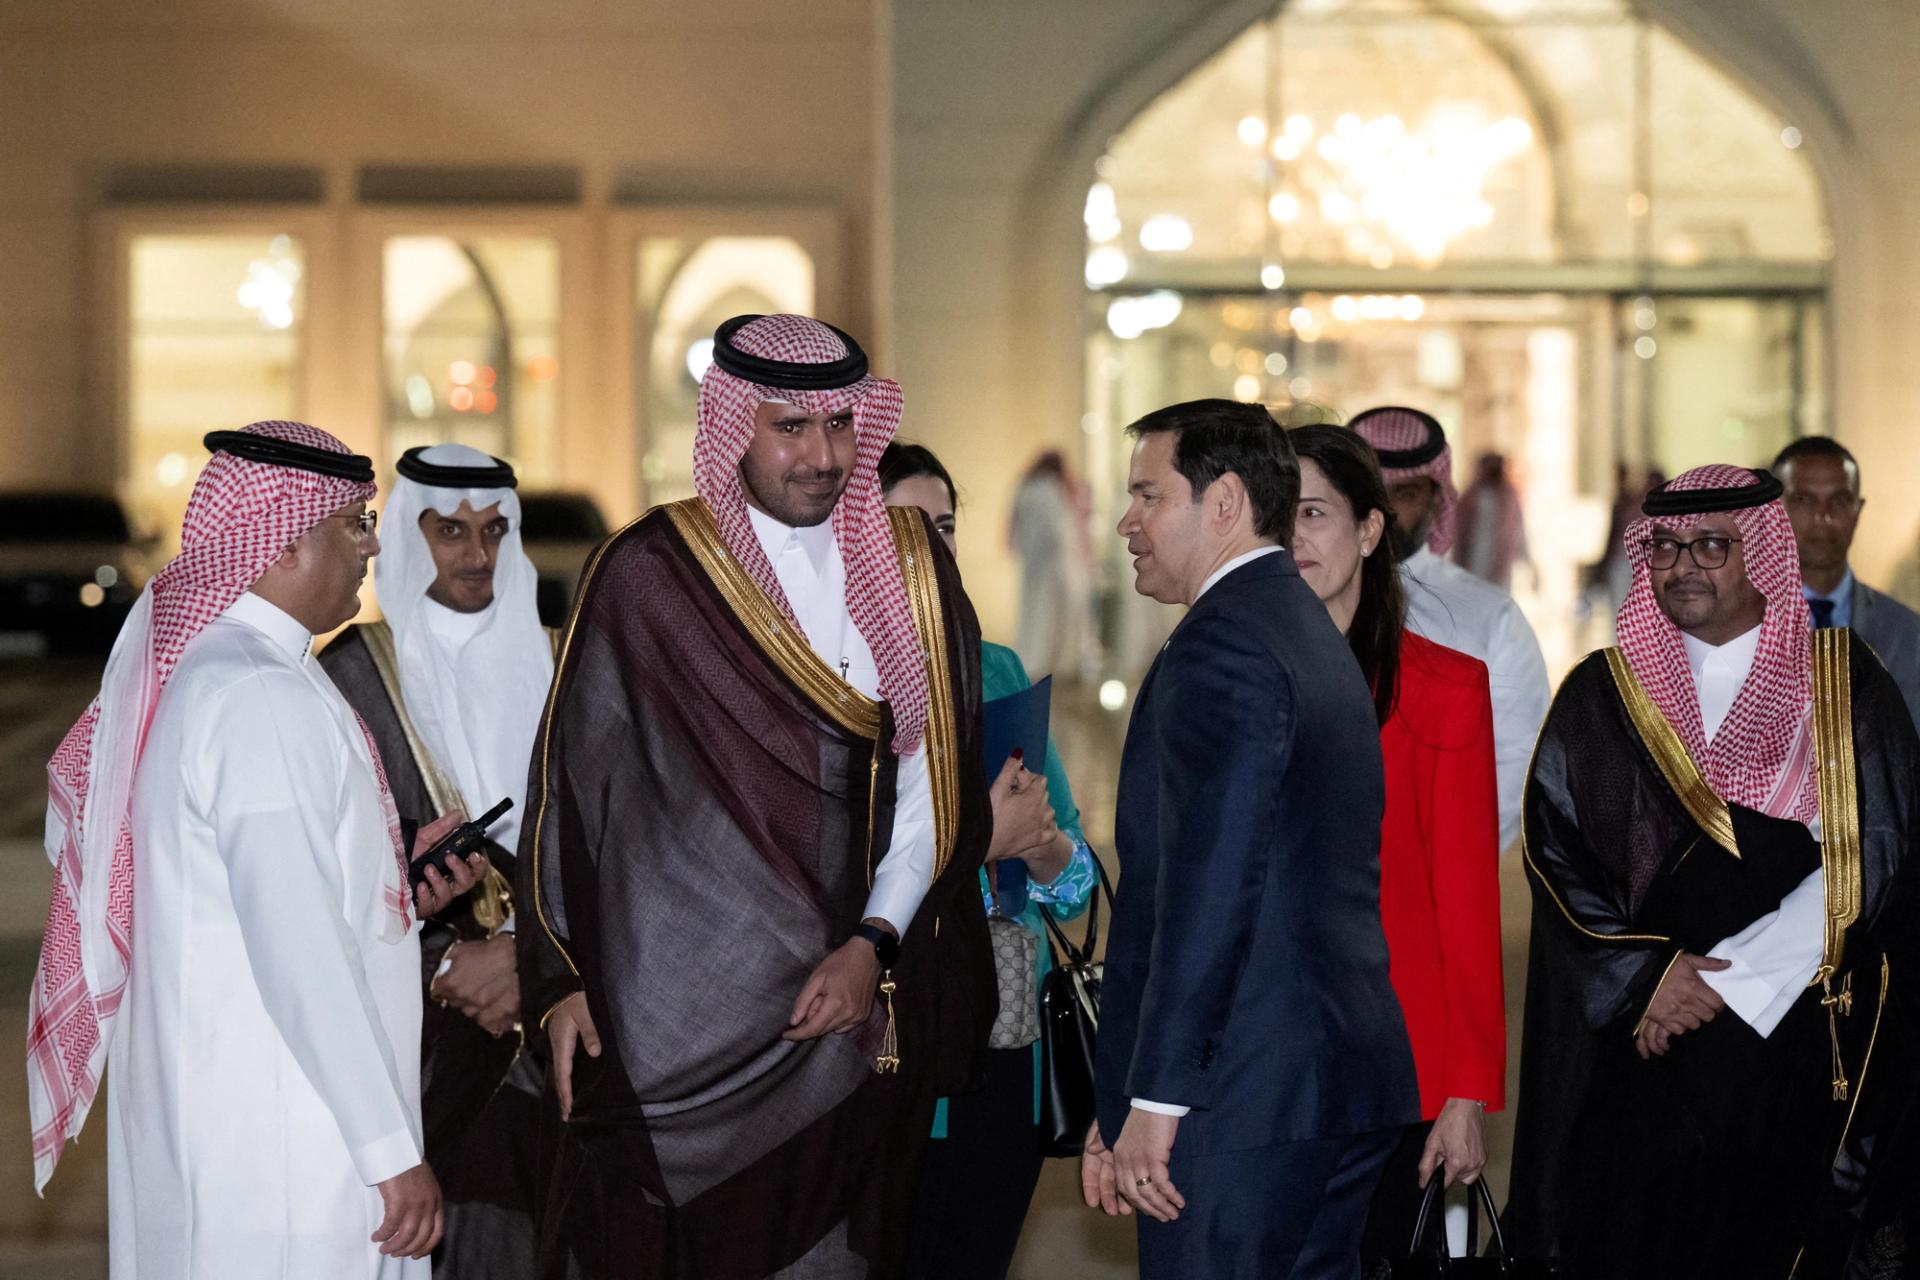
[1763, 754]
[876, 595]
[1392, 429]
[241, 516]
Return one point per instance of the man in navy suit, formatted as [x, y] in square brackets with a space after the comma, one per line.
[1253, 1070]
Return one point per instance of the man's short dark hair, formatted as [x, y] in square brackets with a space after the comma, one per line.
[1816, 447]
[1217, 436]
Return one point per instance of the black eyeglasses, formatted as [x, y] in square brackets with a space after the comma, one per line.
[1709, 552]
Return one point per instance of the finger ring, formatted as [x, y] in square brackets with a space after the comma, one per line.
[1141, 1182]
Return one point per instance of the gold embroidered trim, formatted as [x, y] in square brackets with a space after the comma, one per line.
[1839, 791]
[443, 793]
[1526, 856]
[778, 638]
[1670, 755]
[923, 592]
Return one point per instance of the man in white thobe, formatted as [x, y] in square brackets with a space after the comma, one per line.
[234, 891]
[1449, 605]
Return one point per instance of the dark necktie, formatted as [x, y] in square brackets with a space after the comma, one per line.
[1822, 612]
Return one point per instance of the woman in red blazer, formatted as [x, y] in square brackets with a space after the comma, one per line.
[1439, 841]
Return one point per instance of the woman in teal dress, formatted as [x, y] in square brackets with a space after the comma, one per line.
[979, 1171]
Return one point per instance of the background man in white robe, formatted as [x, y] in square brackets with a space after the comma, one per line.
[231, 927]
[1450, 606]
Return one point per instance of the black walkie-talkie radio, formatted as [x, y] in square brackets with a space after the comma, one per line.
[458, 843]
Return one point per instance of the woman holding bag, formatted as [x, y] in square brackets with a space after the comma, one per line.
[980, 1168]
[1439, 843]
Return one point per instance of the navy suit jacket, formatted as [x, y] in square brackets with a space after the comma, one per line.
[1246, 972]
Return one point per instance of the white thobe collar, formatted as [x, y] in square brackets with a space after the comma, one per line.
[1718, 673]
[273, 622]
[815, 542]
[1244, 558]
[1420, 563]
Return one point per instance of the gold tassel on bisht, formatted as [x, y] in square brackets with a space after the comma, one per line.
[889, 1056]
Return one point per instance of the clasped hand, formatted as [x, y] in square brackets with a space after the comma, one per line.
[1132, 1174]
[1682, 1003]
[481, 980]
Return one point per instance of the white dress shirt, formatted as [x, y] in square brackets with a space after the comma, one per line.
[1451, 607]
[266, 1070]
[1174, 1108]
[807, 562]
[1775, 957]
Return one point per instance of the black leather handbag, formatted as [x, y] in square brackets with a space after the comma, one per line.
[1069, 1019]
[1429, 1262]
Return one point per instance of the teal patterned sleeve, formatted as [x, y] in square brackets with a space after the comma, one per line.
[1067, 896]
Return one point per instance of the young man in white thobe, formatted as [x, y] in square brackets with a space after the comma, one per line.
[231, 925]
[451, 682]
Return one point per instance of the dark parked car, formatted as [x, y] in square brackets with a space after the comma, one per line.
[559, 531]
[70, 569]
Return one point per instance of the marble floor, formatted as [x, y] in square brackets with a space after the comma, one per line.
[63, 1236]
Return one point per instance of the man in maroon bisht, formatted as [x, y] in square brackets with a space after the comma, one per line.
[756, 945]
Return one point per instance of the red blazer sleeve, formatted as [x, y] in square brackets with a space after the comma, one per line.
[1464, 875]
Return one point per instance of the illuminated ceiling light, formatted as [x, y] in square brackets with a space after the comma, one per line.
[419, 396]
[171, 469]
[268, 290]
[1345, 309]
[1246, 388]
[486, 375]
[1300, 318]
[1300, 388]
[92, 595]
[1130, 317]
[1166, 233]
[1276, 363]
[1284, 207]
[699, 357]
[1412, 307]
[1252, 130]
[1102, 213]
[1790, 138]
[106, 575]
[1285, 149]
[1106, 265]
[461, 399]
[460, 372]
[1644, 347]
[1272, 276]
[1113, 695]
[1299, 127]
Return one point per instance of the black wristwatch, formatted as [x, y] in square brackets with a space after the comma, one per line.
[884, 944]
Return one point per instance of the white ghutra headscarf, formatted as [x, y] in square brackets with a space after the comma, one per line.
[475, 684]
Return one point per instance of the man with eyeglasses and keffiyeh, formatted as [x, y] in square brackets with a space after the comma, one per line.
[1717, 827]
[755, 943]
[232, 937]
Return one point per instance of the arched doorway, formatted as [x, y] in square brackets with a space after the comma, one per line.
[1547, 221]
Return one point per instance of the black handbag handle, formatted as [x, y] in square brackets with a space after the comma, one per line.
[1477, 1196]
[1084, 953]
